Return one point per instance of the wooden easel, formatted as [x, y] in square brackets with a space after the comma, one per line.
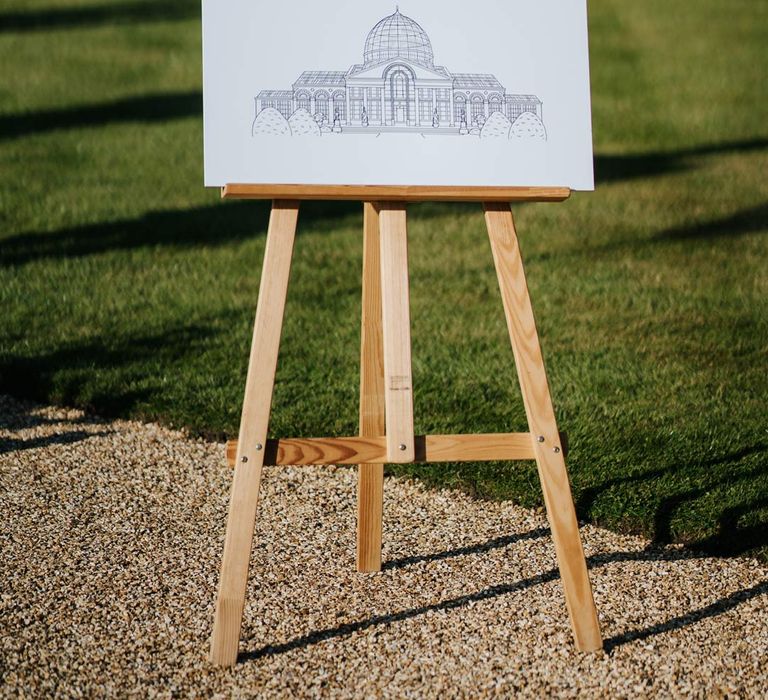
[386, 402]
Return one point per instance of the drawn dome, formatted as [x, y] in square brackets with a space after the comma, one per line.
[398, 36]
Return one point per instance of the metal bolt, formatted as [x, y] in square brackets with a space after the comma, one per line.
[258, 446]
[555, 449]
[541, 438]
[401, 446]
[243, 459]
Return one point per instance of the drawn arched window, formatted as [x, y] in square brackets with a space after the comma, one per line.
[321, 104]
[460, 109]
[339, 106]
[478, 108]
[495, 104]
[302, 101]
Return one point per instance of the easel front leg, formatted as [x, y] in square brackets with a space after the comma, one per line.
[541, 419]
[253, 432]
[370, 485]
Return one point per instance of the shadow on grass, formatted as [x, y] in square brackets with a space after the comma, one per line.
[609, 168]
[750, 220]
[651, 554]
[158, 107]
[741, 223]
[216, 224]
[731, 539]
[616, 168]
[590, 495]
[96, 15]
[165, 106]
[65, 376]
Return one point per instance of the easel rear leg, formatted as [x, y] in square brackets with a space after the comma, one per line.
[370, 489]
[396, 332]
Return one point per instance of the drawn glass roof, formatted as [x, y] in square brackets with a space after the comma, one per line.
[522, 98]
[476, 81]
[317, 77]
[275, 95]
[398, 36]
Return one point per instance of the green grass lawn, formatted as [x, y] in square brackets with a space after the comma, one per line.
[128, 289]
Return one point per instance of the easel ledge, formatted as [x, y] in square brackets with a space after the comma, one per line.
[396, 193]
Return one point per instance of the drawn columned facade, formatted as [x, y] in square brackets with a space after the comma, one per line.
[398, 87]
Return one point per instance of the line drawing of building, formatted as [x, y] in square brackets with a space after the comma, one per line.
[398, 88]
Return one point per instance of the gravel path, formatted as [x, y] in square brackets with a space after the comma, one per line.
[109, 552]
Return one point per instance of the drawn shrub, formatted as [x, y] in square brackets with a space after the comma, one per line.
[302, 124]
[497, 127]
[269, 121]
[528, 126]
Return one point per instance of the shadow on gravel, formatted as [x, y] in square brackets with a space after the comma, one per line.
[387, 619]
[495, 543]
[717, 608]
[18, 414]
[13, 445]
[650, 554]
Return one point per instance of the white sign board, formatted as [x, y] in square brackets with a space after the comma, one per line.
[431, 92]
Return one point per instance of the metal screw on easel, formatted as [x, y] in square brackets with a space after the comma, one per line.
[541, 438]
[555, 449]
[258, 446]
[243, 459]
[401, 446]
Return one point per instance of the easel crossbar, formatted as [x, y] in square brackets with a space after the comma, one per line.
[373, 450]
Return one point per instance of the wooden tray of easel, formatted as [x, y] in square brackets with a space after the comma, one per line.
[386, 391]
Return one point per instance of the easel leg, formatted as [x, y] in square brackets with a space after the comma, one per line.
[396, 325]
[541, 419]
[253, 432]
[370, 488]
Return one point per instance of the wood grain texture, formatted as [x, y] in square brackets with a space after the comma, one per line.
[373, 449]
[396, 193]
[395, 307]
[253, 432]
[370, 483]
[541, 419]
